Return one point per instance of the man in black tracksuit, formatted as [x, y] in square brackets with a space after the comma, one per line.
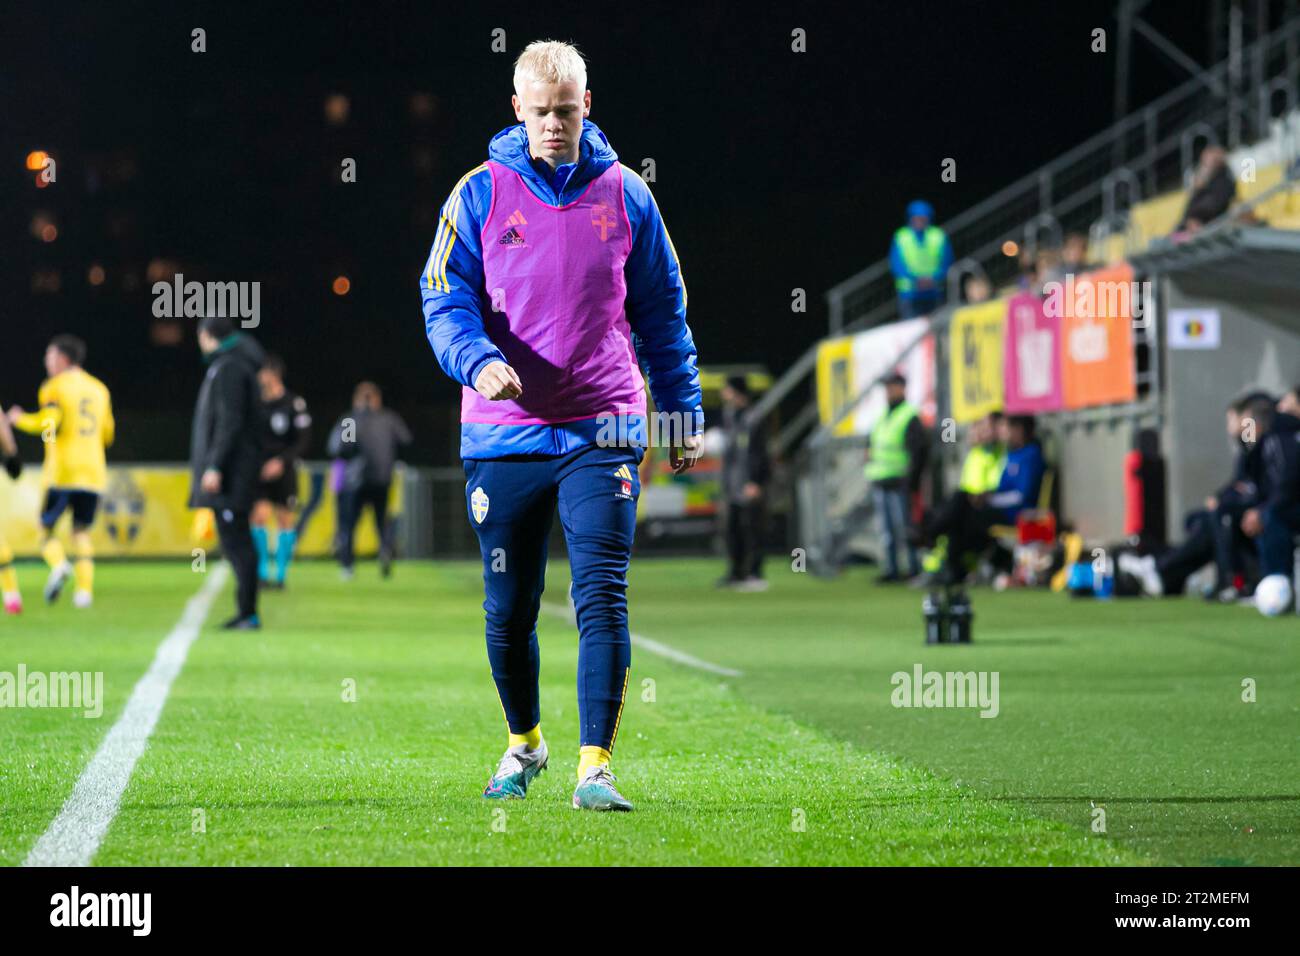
[1215, 532]
[745, 473]
[1275, 521]
[226, 451]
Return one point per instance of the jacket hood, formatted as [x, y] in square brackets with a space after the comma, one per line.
[243, 349]
[510, 148]
[1286, 423]
[919, 207]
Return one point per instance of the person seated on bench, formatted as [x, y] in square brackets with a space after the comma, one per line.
[1214, 533]
[966, 518]
[981, 470]
[1274, 523]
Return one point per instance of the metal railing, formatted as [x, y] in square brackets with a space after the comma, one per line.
[831, 488]
[1151, 150]
[832, 493]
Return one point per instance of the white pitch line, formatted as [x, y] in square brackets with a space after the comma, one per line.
[654, 647]
[74, 836]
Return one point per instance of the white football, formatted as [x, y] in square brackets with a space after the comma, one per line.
[1273, 595]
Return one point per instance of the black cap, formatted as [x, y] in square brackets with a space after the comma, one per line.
[895, 378]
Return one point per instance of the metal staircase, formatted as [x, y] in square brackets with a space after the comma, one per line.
[1088, 189]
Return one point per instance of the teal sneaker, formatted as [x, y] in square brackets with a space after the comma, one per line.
[515, 772]
[597, 792]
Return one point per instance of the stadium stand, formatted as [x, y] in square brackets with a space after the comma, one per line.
[1205, 320]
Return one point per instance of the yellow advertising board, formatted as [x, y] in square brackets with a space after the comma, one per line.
[975, 345]
[835, 381]
[144, 514]
[850, 363]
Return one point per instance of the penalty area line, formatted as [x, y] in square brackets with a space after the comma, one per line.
[74, 836]
[652, 646]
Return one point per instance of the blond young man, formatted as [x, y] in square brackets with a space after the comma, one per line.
[552, 284]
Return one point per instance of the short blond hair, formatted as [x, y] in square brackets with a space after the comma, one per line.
[550, 61]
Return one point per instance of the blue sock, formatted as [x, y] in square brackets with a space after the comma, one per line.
[263, 556]
[284, 545]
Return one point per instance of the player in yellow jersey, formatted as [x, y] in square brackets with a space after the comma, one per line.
[13, 601]
[75, 423]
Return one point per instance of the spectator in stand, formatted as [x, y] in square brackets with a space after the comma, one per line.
[978, 289]
[1213, 190]
[897, 458]
[1047, 268]
[1027, 272]
[967, 518]
[1214, 533]
[1074, 254]
[919, 258]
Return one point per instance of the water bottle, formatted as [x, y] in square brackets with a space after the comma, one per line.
[932, 611]
[1103, 579]
[960, 617]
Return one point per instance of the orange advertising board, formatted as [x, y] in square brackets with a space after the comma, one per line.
[1096, 315]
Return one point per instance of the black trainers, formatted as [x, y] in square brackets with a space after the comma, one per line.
[250, 623]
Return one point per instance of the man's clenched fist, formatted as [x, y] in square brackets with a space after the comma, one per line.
[498, 381]
[683, 457]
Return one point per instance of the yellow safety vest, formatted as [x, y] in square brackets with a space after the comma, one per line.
[889, 455]
[921, 258]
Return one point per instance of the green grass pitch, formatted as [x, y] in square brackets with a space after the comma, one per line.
[1132, 707]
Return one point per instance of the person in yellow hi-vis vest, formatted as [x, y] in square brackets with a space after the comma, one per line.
[919, 257]
[898, 453]
[75, 423]
[981, 470]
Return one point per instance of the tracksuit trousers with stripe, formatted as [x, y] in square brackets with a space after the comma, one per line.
[511, 503]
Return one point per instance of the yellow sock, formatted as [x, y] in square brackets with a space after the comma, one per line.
[8, 576]
[84, 567]
[52, 552]
[532, 737]
[589, 757]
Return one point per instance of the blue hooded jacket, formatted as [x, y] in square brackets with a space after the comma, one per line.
[455, 296]
[1021, 481]
[898, 265]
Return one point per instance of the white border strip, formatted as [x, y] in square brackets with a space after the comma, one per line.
[653, 646]
[74, 836]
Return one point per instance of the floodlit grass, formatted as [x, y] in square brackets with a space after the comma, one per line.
[1134, 707]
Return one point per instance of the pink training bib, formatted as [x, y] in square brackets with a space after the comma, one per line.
[554, 281]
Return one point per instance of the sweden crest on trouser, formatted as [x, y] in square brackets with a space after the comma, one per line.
[478, 503]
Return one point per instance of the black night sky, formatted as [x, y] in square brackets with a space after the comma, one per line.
[775, 169]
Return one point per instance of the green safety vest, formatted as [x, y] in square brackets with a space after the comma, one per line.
[921, 258]
[889, 457]
[982, 469]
